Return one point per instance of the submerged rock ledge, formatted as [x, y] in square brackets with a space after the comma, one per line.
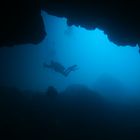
[21, 22]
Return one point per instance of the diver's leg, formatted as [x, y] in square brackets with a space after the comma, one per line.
[71, 68]
[67, 72]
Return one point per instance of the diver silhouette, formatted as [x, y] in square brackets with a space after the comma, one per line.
[60, 68]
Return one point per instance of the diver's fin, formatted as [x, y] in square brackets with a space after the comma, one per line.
[73, 68]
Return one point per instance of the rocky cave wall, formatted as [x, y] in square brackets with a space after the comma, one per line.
[21, 21]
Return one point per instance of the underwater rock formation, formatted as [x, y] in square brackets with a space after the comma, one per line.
[21, 22]
[51, 92]
[118, 19]
[69, 116]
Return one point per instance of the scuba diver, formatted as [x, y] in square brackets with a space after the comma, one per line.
[60, 68]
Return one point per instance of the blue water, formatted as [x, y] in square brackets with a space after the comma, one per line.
[98, 101]
[101, 62]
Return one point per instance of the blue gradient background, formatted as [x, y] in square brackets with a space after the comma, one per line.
[96, 56]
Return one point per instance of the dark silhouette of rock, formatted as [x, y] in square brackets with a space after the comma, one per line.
[21, 22]
[51, 92]
[73, 114]
[118, 19]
